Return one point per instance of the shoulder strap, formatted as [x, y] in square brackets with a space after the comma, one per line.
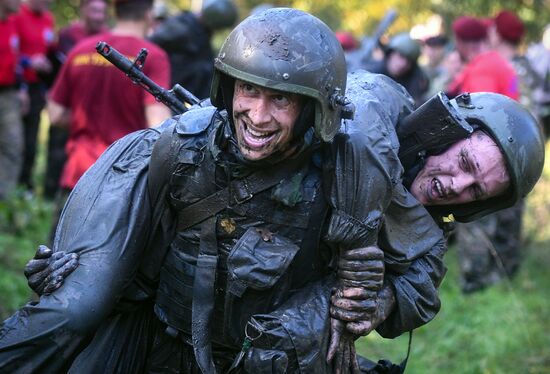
[237, 192]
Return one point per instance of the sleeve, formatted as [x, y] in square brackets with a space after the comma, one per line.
[107, 220]
[365, 166]
[413, 248]
[61, 90]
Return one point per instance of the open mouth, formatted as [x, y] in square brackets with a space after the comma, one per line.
[437, 187]
[256, 139]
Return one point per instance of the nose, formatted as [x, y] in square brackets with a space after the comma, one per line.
[461, 183]
[260, 112]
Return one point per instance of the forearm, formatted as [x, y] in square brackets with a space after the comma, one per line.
[415, 294]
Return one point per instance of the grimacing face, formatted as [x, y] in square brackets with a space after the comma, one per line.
[470, 170]
[264, 119]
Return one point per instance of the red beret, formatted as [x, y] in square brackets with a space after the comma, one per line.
[347, 40]
[509, 26]
[469, 28]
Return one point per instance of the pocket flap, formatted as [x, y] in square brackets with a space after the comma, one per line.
[259, 260]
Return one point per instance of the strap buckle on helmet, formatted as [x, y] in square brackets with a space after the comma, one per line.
[465, 101]
[337, 101]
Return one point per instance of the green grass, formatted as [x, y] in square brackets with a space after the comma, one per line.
[504, 329]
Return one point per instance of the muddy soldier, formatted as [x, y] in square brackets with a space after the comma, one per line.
[230, 225]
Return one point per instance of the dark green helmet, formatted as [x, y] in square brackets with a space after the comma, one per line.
[218, 14]
[291, 51]
[520, 139]
[405, 45]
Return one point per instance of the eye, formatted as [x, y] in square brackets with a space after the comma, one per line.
[281, 100]
[247, 88]
[463, 161]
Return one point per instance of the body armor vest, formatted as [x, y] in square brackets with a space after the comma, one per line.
[265, 249]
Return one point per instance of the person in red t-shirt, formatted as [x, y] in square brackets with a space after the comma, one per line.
[93, 20]
[98, 102]
[11, 126]
[485, 70]
[35, 26]
[93, 17]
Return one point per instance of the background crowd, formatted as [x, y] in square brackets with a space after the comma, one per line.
[53, 82]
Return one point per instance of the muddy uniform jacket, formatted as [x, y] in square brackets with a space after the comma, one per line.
[121, 225]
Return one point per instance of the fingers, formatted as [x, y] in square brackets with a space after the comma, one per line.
[373, 277]
[363, 305]
[356, 293]
[347, 315]
[346, 359]
[43, 252]
[34, 266]
[363, 254]
[336, 328]
[39, 262]
[361, 265]
[36, 280]
[62, 260]
[361, 328]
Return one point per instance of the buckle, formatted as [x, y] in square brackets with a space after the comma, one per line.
[241, 191]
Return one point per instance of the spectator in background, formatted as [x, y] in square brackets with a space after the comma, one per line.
[401, 64]
[484, 70]
[489, 248]
[186, 37]
[347, 40]
[539, 57]
[506, 32]
[93, 20]
[11, 126]
[96, 101]
[35, 26]
[435, 50]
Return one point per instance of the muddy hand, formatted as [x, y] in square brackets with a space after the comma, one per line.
[46, 271]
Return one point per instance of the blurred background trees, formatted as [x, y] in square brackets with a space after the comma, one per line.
[361, 16]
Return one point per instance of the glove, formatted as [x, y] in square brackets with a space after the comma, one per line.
[46, 271]
[361, 276]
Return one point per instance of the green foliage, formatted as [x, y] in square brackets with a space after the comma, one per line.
[24, 223]
[361, 17]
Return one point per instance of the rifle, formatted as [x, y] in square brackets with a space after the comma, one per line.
[176, 98]
[381, 28]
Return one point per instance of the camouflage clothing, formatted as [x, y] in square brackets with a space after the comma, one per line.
[489, 249]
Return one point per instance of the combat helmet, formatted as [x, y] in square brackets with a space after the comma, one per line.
[518, 136]
[291, 51]
[405, 45]
[218, 14]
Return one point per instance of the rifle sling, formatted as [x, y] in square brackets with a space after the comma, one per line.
[237, 192]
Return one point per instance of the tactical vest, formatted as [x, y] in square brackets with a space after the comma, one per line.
[265, 249]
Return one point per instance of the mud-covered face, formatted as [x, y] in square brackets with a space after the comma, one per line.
[472, 169]
[264, 119]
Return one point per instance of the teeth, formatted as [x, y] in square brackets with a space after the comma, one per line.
[438, 187]
[258, 134]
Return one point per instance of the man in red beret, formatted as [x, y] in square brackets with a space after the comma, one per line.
[490, 249]
[485, 70]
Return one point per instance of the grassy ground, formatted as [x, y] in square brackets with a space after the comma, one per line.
[504, 329]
